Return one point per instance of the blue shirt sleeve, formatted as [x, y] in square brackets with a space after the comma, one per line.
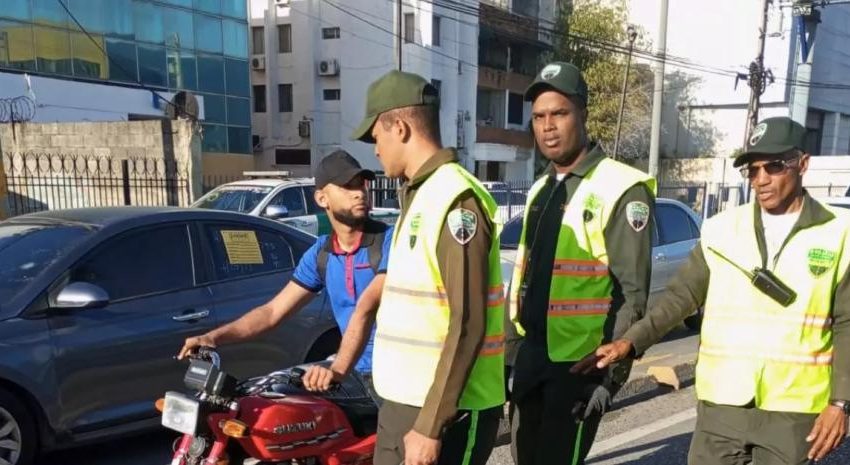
[306, 273]
[385, 254]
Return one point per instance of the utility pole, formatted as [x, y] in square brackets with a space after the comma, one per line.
[400, 38]
[632, 35]
[658, 92]
[757, 77]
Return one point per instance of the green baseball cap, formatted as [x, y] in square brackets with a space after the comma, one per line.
[395, 89]
[560, 76]
[773, 136]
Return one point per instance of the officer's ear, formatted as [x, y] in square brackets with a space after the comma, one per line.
[403, 130]
[804, 162]
[321, 197]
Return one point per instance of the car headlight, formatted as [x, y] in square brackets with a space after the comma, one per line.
[180, 413]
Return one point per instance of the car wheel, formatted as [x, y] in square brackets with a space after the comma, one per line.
[326, 345]
[17, 431]
[694, 322]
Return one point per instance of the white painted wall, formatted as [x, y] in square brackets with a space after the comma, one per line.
[60, 100]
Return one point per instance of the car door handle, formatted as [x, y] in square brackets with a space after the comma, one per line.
[192, 316]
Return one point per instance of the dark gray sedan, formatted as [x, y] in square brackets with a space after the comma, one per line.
[94, 304]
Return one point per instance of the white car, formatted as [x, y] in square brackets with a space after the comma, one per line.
[677, 230]
[274, 195]
[843, 202]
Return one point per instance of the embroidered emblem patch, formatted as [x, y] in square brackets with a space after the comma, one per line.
[593, 203]
[637, 214]
[415, 222]
[758, 133]
[820, 261]
[550, 71]
[462, 224]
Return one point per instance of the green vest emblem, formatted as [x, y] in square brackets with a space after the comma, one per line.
[820, 261]
[415, 221]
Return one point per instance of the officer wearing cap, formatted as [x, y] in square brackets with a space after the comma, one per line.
[773, 372]
[439, 343]
[581, 277]
[341, 262]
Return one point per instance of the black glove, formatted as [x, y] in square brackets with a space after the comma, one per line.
[598, 402]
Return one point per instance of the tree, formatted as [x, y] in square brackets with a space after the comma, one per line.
[587, 29]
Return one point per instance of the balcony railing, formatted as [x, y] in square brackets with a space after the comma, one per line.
[492, 135]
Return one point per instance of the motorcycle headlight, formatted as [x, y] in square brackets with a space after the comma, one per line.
[180, 413]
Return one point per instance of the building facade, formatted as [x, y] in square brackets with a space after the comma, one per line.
[126, 57]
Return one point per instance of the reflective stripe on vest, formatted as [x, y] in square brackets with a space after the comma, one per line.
[580, 293]
[752, 348]
[413, 319]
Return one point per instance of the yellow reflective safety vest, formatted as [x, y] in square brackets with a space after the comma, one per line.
[753, 348]
[413, 319]
[580, 293]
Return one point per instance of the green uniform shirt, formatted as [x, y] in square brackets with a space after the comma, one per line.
[688, 288]
[628, 255]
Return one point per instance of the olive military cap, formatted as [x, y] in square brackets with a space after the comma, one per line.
[395, 89]
[773, 136]
[560, 76]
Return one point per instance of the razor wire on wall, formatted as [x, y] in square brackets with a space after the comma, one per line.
[17, 109]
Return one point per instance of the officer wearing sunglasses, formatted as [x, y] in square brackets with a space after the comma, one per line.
[773, 373]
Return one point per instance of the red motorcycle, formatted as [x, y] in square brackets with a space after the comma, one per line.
[268, 420]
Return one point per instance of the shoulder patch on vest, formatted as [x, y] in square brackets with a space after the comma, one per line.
[462, 224]
[637, 215]
[820, 261]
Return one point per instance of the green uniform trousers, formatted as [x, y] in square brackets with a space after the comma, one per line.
[468, 440]
[730, 435]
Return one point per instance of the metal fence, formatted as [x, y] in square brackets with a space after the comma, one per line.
[45, 181]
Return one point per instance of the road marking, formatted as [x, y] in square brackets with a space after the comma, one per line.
[614, 442]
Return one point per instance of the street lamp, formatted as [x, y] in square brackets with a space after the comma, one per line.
[631, 33]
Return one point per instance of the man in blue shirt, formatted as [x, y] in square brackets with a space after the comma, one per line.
[350, 262]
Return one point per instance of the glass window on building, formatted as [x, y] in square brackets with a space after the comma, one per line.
[214, 138]
[238, 111]
[178, 29]
[236, 76]
[210, 74]
[148, 22]
[284, 38]
[182, 70]
[258, 41]
[215, 110]
[89, 61]
[152, 66]
[515, 103]
[210, 6]
[185, 3]
[239, 139]
[49, 13]
[438, 84]
[17, 49]
[109, 17]
[16, 9]
[122, 60]
[52, 51]
[259, 99]
[235, 39]
[331, 94]
[409, 28]
[330, 33]
[284, 98]
[234, 8]
[436, 31]
[292, 157]
[208, 33]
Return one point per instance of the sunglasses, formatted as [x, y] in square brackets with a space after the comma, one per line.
[771, 168]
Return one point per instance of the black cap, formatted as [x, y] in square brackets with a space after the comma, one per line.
[560, 76]
[773, 136]
[339, 168]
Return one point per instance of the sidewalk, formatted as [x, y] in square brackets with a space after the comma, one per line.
[671, 362]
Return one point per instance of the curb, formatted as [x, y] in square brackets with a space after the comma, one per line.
[645, 384]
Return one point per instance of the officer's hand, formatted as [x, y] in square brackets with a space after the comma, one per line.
[828, 432]
[604, 356]
[598, 402]
[420, 449]
[192, 343]
[319, 379]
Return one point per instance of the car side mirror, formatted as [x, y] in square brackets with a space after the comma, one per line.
[82, 295]
[276, 212]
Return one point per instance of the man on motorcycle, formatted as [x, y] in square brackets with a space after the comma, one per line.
[350, 262]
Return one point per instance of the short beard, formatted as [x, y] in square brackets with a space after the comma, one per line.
[569, 158]
[349, 219]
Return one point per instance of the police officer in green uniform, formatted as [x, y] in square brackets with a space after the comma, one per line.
[773, 372]
[582, 275]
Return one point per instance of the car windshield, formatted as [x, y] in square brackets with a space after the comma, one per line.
[27, 249]
[240, 199]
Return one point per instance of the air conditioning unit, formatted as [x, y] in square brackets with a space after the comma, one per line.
[304, 128]
[258, 63]
[328, 68]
